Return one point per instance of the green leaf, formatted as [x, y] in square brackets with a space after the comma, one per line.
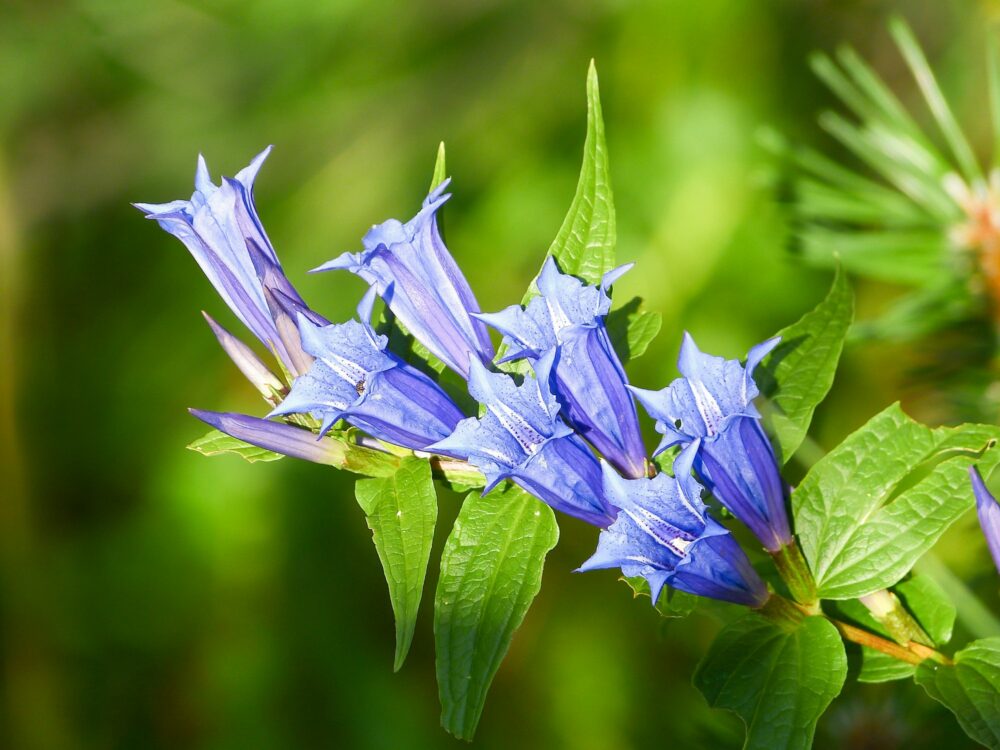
[798, 374]
[491, 570]
[871, 507]
[585, 243]
[215, 443]
[930, 606]
[401, 511]
[779, 680]
[632, 329]
[970, 689]
[440, 169]
[672, 603]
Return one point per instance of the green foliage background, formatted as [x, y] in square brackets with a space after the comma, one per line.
[153, 598]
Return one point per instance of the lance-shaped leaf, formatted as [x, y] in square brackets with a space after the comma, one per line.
[868, 510]
[401, 511]
[779, 680]
[798, 374]
[491, 570]
[970, 688]
[440, 169]
[585, 243]
[216, 442]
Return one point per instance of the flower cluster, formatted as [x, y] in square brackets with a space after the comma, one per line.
[566, 430]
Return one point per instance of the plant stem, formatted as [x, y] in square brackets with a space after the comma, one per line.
[912, 653]
[795, 572]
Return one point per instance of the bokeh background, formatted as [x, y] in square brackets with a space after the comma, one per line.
[155, 598]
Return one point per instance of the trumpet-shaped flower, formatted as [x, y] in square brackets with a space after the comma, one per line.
[353, 377]
[664, 534]
[712, 408]
[412, 270]
[989, 514]
[568, 318]
[222, 230]
[522, 437]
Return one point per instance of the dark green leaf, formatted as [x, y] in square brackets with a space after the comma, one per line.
[632, 329]
[401, 511]
[868, 510]
[798, 374]
[491, 569]
[215, 442]
[672, 602]
[970, 689]
[779, 680]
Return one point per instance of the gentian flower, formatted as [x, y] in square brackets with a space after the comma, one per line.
[356, 379]
[712, 408]
[222, 230]
[989, 514]
[568, 318]
[415, 274]
[664, 534]
[521, 437]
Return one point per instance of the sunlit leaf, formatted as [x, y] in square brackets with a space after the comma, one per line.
[491, 570]
[401, 511]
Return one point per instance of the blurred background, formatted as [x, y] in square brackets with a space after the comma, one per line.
[151, 597]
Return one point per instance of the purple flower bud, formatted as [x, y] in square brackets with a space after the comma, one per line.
[221, 228]
[412, 270]
[664, 534]
[248, 363]
[568, 318]
[355, 379]
[989, 514]
[273, 436]
[521, 437]
[712, 408]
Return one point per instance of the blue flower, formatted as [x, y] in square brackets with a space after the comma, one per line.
[521, 437]
[356, 379]
[989, 514]
[664, 534]
[712, 408]
[415, 274]
[221, 228]
[568, 318]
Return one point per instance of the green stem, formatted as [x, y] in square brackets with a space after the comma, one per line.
[794, 570]
[789, 615]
